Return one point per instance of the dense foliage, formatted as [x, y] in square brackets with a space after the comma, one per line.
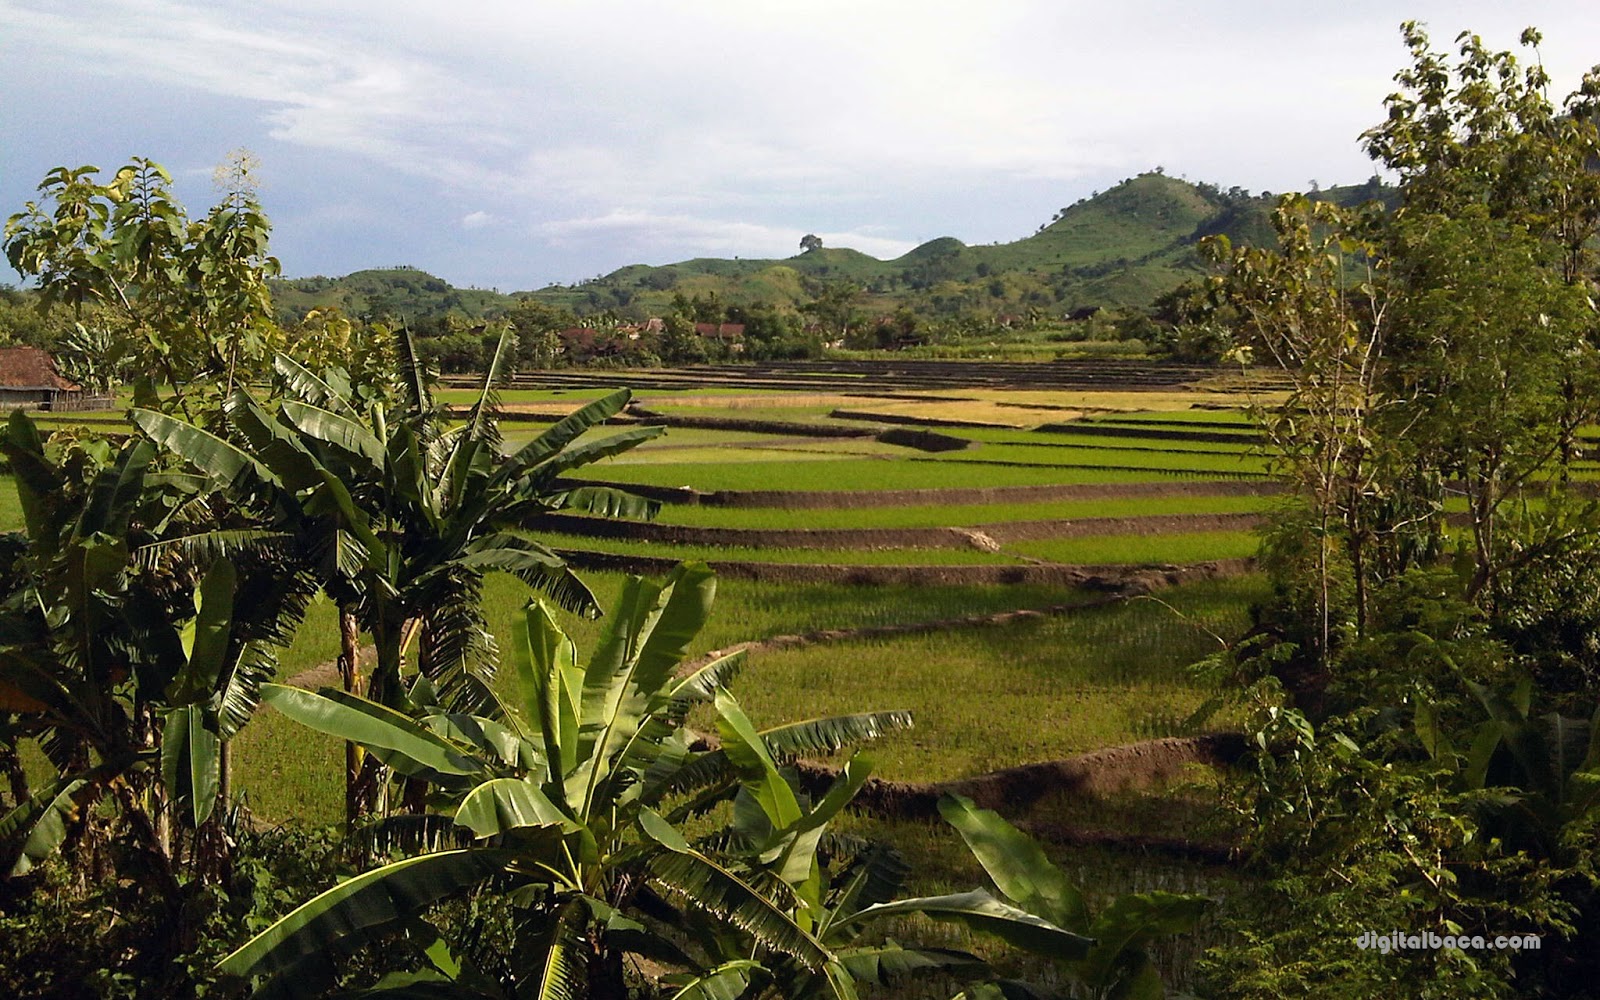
[1421, 687]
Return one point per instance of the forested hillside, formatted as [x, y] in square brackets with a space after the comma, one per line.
[1119, 249]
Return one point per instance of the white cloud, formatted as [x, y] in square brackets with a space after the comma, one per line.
[730, 124]
[652, 233]
[476, 220]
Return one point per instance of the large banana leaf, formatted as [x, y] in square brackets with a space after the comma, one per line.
[631, 670]
[191, 757]
[278, 447]
[603, 501]
[792, 741]
[1017, 864]
[229, 466]
[363, 907]
[794, 855]
[703, 682]
[414, 374]
[370, 724]
[505, 804]
[562, 433]
[116, 492]
[480, 424]
[587, 454]
[883, 964]
[311, 387]
[206, 637]
[979, 911]
[727, 895]
[744, 748]
[1122, 930]
[558, 975]
[345, 433]
[34, 829]
[551, 683]
[876, 875]
[727, 981]
[241, 694]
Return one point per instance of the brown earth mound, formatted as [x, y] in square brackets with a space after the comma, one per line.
[1089, 577]
[964, 536]
[844, 499]
[1141, 765]
[784, 427]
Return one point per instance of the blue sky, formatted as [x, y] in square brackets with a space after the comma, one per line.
[516, 144]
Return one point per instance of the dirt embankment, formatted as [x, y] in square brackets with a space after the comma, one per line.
[789, 428]
[1134, 766]
[846, 499]
[1089, 577]
[899, 538]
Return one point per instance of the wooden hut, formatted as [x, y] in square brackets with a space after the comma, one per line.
[28, 381]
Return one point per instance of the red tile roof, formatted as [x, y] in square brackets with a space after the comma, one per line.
[31, 368]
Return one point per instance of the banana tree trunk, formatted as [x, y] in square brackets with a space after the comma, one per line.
[350, 675]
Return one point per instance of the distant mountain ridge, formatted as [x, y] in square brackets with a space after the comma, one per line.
[1120, 248]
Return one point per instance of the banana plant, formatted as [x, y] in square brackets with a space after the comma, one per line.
[777, 834]
[132, 677]
[1542, 771]
[400, 517]
[403, 516]
[563, 803]
[1117, 965]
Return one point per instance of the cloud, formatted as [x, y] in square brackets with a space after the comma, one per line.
[726, 120]
[651, 233]
[476, 220]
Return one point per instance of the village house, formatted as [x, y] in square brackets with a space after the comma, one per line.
[28, 381]
[729, 334]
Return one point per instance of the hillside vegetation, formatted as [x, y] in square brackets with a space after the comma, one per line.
[1119, 249]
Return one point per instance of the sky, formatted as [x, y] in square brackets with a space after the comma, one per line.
[522, 143]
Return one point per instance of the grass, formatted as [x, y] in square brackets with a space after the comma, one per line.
[855, 474]
[819, 556]
[779, 451]
[1179, 439]
[1236, 417]
[1051, 687]
[962, 515]
[1176, 461]
[10, 505]
[1035, 691]
[802, 414]
[1113, 549]
[1174, 444]
[292, 774]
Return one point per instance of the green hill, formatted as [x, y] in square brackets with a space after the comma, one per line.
[1120, 248]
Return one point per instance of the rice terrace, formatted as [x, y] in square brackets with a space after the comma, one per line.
[1196, 597]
